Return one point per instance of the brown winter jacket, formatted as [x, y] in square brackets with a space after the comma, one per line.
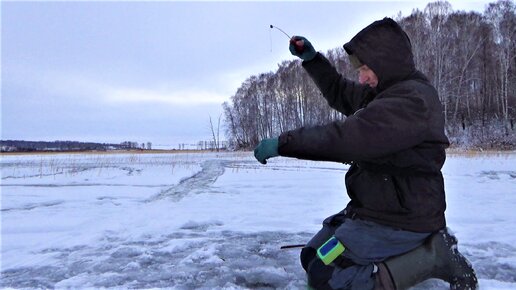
[393, 136]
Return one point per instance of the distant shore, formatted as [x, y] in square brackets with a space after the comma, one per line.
[152, 151]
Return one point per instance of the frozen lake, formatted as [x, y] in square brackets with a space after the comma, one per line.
[213, 221]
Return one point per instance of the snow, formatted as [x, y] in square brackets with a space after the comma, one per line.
[213, 221]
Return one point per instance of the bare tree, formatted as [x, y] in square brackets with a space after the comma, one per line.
[502, 17]
[437, 14]
[216, 133]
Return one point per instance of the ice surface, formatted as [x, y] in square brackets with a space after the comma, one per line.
[213, 221]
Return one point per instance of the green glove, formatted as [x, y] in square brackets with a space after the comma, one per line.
[266, 149]
[302, 48]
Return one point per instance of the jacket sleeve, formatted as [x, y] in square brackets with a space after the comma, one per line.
[342, 94]
[385, 126]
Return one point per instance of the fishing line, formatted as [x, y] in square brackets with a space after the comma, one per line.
[270, 37]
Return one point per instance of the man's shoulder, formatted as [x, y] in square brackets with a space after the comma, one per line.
[413, 88]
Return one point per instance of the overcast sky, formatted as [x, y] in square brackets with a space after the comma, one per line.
[154, 71]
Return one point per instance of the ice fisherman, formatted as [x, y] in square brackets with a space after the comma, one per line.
[392, 234]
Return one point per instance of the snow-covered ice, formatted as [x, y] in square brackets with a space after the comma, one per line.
[213, 221]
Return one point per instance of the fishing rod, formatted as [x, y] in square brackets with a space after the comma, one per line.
[297, 47]
[292, 246]
[272, 26]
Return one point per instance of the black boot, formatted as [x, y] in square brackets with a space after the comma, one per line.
[438, 258]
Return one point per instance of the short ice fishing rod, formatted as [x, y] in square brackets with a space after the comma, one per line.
[272, 26]
[297, 47]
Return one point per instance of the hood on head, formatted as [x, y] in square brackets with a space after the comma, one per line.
[385, 48]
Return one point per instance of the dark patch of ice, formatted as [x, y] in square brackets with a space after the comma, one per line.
[180, 260]
[31, 206]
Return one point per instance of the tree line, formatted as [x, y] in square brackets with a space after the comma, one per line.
[32, 146]
[469, 57]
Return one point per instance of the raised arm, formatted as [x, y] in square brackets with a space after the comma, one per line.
[342, 94]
